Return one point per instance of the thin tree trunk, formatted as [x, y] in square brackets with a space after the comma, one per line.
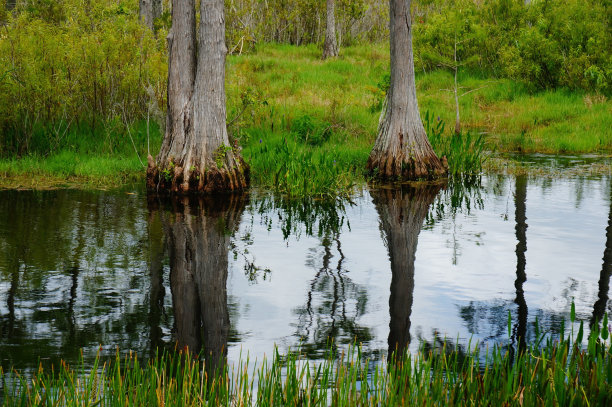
[330, 47]
[198, 233]
[402, 212]
[149, 10]
[401, 149]
[520, 197]
[196, 155]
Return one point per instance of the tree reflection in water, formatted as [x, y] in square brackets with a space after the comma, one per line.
[402, 212]
[198, 232]
[600, 307]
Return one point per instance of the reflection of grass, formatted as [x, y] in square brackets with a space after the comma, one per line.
[562, 372]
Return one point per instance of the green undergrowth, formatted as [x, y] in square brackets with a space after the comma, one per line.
[306, 126]
[560, 371]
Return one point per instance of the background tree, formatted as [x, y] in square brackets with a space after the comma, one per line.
[330, 47]
[401, 149]
[149, 10]
[196, 155]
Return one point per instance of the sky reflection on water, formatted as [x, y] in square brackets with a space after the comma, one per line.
[78, 269]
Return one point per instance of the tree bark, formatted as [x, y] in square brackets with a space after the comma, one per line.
[401, 149]
[149, 10]
[402, 212]
[198, 233]
[196, 155]
[330, 47]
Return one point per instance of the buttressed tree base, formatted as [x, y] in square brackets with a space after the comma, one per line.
[196, 155]
[402, 150]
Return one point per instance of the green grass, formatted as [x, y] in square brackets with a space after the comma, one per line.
[550, 372]
[277, 86]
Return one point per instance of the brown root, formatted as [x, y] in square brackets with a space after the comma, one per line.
[172, 180]
[390, 168]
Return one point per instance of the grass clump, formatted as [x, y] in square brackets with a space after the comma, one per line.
[562, 371]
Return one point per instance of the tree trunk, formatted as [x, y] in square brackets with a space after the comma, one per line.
[401, 149]
[330, 47]
[196, 155]
[198, 233]
[402, 212]
[149, 10]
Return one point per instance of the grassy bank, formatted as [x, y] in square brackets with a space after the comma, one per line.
[306, 126]
[555, 372]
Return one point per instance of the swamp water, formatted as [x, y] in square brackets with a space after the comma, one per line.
[100, 271]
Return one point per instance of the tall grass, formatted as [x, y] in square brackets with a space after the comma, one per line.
[560, 371]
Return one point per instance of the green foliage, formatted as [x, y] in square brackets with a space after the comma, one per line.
[464, 152]
[95, 70]
[251, 22]
[288, 166]
[561, 371]
[220, 155]
[311, 131]
[546, 43]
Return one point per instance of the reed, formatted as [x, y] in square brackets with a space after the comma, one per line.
[559, 371]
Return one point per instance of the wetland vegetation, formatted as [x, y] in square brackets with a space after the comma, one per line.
[313, 288]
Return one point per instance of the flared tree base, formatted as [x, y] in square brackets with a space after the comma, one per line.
[174, 179]
[391, 168]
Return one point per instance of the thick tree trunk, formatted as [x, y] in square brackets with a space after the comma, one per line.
[198, 233]
[402, 212]
[330, 47]
[401, 149]
[196, 155]
[150, 10]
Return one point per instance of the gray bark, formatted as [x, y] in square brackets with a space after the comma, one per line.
[198, 233]
[196, 155]
[330, 47]
[401, 149]
[402, 212]
[149, 10]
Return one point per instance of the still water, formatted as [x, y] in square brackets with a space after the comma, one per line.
[388, 268]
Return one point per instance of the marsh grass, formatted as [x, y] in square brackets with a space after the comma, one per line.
[562, 371]
[306, 126]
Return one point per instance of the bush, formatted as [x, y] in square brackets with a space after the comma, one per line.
[97, 68]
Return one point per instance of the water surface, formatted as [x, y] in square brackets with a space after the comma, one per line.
[389, 268]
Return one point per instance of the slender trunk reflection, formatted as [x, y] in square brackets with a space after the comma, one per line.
[402, 212]
[157, 245]
[198, 232]
[520, 197]
[601, 304]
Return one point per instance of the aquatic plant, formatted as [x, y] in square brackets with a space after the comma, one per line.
[550, 371]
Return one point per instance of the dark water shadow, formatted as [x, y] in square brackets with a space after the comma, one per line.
[402, 212]
[197, 233]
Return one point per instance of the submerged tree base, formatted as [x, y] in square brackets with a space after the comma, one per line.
[174, 179]
[402, 168]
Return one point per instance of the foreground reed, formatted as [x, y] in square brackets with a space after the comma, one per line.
[551, 371]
